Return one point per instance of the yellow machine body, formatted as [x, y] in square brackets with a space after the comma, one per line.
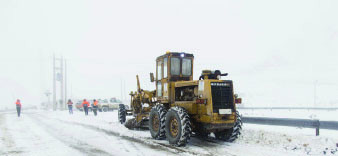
[209, 101]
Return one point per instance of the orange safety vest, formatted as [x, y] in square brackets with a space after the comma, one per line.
[85, 103]
[18, 103]
[95, 103]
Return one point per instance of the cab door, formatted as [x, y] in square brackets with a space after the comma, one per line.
[159, 76]
[162, 86]
[165, 80]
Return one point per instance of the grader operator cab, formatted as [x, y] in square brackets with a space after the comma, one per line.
[181, 106]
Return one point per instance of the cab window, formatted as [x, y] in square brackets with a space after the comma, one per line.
[175, 66]
[159, 88]
[165, 68]
[159, 70]
[186, 67]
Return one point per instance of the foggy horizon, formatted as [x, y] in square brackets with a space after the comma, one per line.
[274, 55]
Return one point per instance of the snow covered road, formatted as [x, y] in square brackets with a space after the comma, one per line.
[58, 133]
[34, 134]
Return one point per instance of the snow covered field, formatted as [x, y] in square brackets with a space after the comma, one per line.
[58, 133]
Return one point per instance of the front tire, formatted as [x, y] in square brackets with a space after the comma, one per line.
[157, 122]
[105, 109]
[178, 126]
[122, 114]
[230, 135]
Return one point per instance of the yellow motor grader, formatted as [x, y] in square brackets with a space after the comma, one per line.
[181, 106]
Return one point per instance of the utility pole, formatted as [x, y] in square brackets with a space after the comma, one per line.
[58, 75]
[54, 84]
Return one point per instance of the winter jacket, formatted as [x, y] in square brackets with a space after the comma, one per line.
[18, 103]
[85, 103]
[95, 103]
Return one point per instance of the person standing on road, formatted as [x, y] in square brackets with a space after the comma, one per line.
[70, 106]
[95, 106]
[18, 107]
[85, 105]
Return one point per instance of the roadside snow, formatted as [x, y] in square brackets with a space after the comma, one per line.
[291, 138]
[297, 140]
[21, 136]
[299, 114]
[58, 133]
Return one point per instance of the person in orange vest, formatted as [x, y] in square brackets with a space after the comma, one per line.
[85, 105]
[95, 106]
[18, 107]
[70, 106]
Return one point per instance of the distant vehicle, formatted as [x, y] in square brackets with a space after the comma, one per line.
[78, 105]
[106, 105]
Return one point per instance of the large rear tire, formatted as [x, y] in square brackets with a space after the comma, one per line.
[178, 126]
[157, 122]
[122, 113]
[230, 135]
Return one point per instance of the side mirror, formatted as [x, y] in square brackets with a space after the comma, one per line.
[152, 79]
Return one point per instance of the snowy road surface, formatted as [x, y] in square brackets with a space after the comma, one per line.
[58, 133]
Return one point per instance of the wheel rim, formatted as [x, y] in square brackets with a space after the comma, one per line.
[156, 123]
[173, 127]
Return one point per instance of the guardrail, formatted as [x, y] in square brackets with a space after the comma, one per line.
[291, 108]
[304, 123]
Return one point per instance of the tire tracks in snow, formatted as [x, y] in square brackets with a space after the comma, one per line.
[153, 145]
[78, 145]
[207, 144]
[144, 141]
[6, 138]
[211, 145]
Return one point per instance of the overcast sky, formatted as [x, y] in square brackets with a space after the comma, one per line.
[274, 51]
